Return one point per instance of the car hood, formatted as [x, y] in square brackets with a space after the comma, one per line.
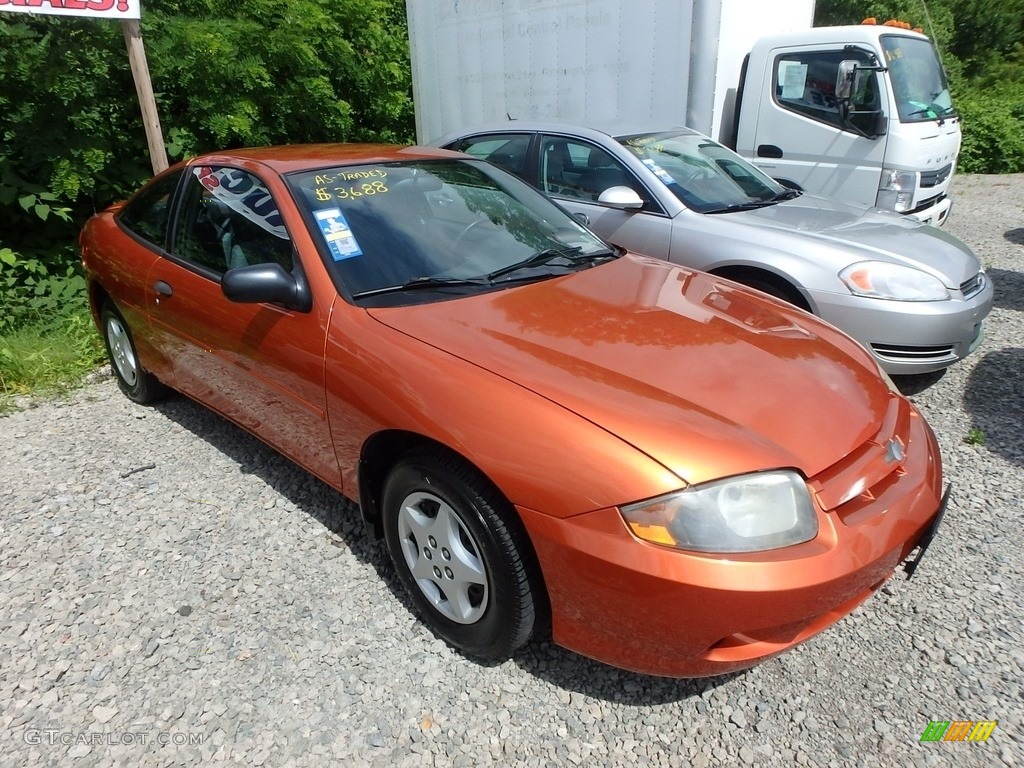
[864, 234]
[700, 374]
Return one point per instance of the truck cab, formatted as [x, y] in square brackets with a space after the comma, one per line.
[859, 113]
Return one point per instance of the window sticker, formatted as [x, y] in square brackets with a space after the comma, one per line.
[244, 194]
[348, 185]
[658, 171]
[337, 234]
[792, 75]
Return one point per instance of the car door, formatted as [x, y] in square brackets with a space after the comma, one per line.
[261, 365]
[146, 218]
[575, 172]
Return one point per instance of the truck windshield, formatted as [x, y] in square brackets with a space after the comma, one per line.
[703, 174]
[918, 81]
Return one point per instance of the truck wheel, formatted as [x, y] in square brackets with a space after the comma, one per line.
[463, 561]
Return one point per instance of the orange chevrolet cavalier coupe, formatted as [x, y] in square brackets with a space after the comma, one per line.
[666, 471]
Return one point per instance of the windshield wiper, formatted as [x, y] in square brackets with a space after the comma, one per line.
[749, 206]
[539, 259]
[421, 283]
[786, 194]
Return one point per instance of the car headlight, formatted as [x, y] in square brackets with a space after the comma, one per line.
[896, 190]
[882, 280]
[749, 513]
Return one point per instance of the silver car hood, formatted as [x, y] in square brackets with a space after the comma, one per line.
[864, 234]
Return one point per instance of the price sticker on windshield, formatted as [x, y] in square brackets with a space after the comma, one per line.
[337, 234]
[658, 171]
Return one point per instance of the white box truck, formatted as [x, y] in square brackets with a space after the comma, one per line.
[858, 113]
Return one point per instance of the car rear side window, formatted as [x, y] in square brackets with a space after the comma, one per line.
[507, 150]
[229, 219]
[148, 213]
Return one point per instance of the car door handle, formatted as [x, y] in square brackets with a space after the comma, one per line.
[769, 150]
[163, 288]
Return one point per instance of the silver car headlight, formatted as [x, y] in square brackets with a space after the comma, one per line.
[882, 280]
[749, 513]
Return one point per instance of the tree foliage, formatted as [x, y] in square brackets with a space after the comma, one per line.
[225, 74]
[255, 72]
[981, 49]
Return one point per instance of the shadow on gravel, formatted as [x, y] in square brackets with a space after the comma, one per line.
[337, 514]
[1015, 235]
[340, 517]
[572, 672]
[1008, 287]
[916, 383]
[994, 399]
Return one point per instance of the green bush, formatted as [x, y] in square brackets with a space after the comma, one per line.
[993, 134]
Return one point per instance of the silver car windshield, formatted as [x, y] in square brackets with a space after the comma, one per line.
[703, 174]
[918, 81]
[424, 230]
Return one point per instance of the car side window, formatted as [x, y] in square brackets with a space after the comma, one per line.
[148, 213]
[806, 83]
[571, 168]
[229, 219]
[507, 150]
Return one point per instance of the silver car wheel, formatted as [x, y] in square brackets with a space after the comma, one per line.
[443, 557]
[121, 351]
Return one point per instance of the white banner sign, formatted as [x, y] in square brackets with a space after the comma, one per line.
[97, 9]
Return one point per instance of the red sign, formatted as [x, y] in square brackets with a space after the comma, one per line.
[97, 9]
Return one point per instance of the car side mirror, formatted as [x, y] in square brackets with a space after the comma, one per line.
[620, 197]
[259, 283]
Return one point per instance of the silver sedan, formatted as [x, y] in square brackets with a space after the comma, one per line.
[914, 295]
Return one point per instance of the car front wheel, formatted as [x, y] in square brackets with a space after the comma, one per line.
[461, 554]
[138, 384]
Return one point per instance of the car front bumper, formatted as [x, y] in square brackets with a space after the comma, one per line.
[908, 337]
[661, 611]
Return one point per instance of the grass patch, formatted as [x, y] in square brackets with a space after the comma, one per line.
[975, 437]
[48, 356]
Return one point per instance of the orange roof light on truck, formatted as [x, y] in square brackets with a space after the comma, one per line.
[893, 23]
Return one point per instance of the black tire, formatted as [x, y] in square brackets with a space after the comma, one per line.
[778, 290]
[476, 550]
[135, 381]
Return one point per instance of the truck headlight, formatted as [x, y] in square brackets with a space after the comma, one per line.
[882, 280]
[896, 190]
[749, 513]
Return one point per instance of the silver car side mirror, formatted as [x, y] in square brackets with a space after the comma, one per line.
[623, 198]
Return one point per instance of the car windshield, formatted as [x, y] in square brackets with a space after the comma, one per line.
[405, 232]
[704, 175]
[918, 81]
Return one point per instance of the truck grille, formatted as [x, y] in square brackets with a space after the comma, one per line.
[931, 179]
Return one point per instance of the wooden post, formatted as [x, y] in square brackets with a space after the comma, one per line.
[144, 89]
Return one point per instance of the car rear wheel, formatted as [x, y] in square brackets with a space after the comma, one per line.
[460, 553]
[137, 384]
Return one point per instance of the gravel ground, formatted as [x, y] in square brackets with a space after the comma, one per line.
[175, 593]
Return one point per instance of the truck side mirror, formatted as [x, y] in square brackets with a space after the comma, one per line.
[846, 80]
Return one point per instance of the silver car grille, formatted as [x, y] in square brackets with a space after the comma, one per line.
[970, 287]
[897, 353]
